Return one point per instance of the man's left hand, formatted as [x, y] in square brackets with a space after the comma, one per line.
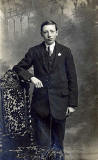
[69, 111]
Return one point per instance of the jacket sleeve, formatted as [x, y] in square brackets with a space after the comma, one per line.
[22, 67]
[72, 80]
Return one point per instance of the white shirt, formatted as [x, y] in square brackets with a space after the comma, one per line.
[51, 47]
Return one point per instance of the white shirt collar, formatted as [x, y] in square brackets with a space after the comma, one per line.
[51, 46]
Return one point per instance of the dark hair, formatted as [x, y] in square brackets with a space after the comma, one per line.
[48, 23]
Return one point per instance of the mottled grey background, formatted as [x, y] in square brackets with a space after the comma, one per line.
[77, 21]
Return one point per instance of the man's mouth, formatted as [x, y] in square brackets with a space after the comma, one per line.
[50, 39]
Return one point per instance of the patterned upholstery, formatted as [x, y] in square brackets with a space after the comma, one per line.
[15, 104]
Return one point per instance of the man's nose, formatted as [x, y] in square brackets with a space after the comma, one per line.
[49, 34]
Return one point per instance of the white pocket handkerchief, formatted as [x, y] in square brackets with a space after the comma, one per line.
[59, 54]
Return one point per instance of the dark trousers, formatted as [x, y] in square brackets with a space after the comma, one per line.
[49, 132]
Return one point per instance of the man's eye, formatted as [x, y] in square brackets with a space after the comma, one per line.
[52, 31]
[45, 32]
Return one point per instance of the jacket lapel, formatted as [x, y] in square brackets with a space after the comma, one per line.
[56, 60]
[44, 57]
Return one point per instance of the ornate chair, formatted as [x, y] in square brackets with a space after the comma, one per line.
[16, 124]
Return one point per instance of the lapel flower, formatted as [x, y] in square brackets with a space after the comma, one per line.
[59, 54]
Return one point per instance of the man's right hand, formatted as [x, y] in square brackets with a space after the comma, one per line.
[36, 82]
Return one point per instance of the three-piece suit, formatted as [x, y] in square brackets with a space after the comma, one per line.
[58, 76]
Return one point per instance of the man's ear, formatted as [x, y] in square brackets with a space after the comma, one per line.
[41, 33]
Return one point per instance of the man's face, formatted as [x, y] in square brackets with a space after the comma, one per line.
[49, 33]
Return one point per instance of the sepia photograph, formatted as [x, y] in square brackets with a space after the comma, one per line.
[48, 80]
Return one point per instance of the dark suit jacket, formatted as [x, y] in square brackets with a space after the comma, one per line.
[60, 82]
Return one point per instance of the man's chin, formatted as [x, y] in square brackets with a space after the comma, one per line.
[50, 42]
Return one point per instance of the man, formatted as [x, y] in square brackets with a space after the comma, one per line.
[55, 93]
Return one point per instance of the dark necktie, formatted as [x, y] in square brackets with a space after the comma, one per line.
[49, 51]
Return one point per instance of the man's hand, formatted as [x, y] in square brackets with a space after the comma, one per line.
[36, 82]
[69, 111]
